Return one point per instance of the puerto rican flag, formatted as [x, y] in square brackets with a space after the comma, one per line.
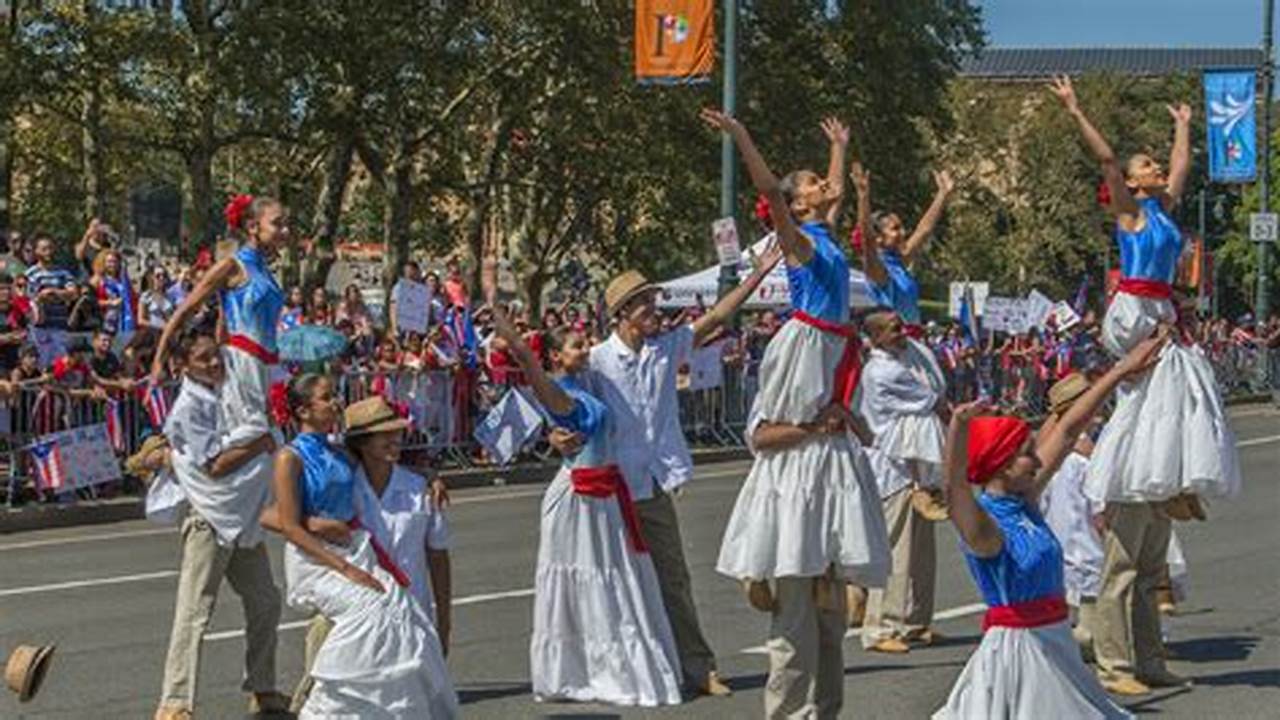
[157, 406]
[115, 424]
[50, 470]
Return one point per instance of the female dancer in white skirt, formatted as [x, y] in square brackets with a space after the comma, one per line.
[251, 301]
[600, 630]
[808, 515]
[1028, 666]
[382, 658]
[1169, 433]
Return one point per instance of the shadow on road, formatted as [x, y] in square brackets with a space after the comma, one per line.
[1251, 678]
[479, 692]
[1143, 707]
[755, 682]
[1215, 649]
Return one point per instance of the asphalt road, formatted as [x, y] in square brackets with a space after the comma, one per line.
[105, 595]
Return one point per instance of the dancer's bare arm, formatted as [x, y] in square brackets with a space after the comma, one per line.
[1180, 158]
[975, 526]
[1122, 202]
[929, 221]
[234, 457]
[797, 248]
[720, 313]
[218, 277]
[838, 133]
[871, 263]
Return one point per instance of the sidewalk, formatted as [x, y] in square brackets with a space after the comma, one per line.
[98, 512]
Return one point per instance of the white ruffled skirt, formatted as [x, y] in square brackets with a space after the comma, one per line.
[1169, 432]
[1028, 674]
[383, 658]
[811, 507]
[600, 630]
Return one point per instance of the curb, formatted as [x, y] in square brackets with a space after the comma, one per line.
[100, 512]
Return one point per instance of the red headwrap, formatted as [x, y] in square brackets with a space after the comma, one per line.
[1104, 194]
[855, 239]
[993, 442]
[235, 210]
[762, 211]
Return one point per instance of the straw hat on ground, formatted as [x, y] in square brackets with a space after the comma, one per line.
[372, 415]
[26, 668]
[623, 288]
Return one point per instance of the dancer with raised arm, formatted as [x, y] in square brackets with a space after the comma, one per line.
[808, 517]
[1028, 665]
[1169, 433]
[600, 632]
[383, 658]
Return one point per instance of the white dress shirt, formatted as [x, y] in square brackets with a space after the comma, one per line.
[1068, 513]
[888, 391]
[197, 432]
[640, 390]
[406, 523]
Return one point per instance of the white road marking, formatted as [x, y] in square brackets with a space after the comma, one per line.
[29, 544]
[941, 615]
[93, 582]
[1258, 441]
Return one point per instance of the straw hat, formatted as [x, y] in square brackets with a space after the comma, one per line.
[137, 463]
[623, 288]
[1066, 391]
[26, 669]
[372, 415]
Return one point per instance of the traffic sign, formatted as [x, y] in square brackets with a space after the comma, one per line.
[1263, 227]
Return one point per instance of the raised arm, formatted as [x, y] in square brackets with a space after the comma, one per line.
[1122, 201]
[82, 247]
[1056, 439]
[838, 134]
[871, 263]
[552, 396]
[929, 221]
[1180, 158]
[975, 526]
[218, 277]
[720, 313]
[797, 248]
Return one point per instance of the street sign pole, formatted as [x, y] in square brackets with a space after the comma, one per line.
[1262, 304]
[728, 155]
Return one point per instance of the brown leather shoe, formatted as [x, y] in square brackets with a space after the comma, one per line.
[759, 595]
[714, 686]
[892, 646]
[1125, 686]
[856, 605]
[926, 636]
[269, 702]
[172, 713]
[1164, 679]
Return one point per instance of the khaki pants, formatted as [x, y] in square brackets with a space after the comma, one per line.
[661, 530]
[1126, 624]
[317, 631]
[806, 656]
[204, 565]
[904, 607]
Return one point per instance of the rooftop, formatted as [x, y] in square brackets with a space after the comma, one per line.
[1007, 63]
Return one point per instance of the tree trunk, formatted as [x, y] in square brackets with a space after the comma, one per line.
[95, 202]
[6, 176]
[199, 198]
[534, 283]
[397, 211]
[337, 173]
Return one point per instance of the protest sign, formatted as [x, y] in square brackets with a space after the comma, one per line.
[75, 458]
[1064, 316]
[980, 292]
[724, 232]
[1039, 306]
[509, 426]
[413, 306]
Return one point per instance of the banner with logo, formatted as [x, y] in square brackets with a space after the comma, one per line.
[675, 41]
[1232, 124]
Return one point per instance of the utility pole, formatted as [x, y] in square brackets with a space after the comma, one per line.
[1262, 303]
[728, 154]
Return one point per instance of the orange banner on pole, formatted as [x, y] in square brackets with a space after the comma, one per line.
[675, 41]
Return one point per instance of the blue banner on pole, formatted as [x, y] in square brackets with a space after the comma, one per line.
[1231, 111]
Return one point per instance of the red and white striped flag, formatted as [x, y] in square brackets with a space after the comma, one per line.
[50, 472]
[157, 406]
[115, 424]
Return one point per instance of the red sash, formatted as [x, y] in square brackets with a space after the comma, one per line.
[384, 558]
[1030, 614]
[247, 344]
[607, 481]
[850, 367]
[1146, 288]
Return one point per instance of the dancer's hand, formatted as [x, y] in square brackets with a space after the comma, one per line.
[964, 413]
[860, 176]
[834, 419]
[836, 131]
[1181, 113]
[566, 442]
[331, 531]
[719, 120]
[943, 180]
[1062, 88]
[360, 577]
[1144, 355]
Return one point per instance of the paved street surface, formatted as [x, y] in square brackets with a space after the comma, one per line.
[105, 595]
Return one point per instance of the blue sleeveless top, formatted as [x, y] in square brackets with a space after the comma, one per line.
[900, 292]
[590, 418]
[821, 286]
[253, 309]
[1029, 566]
[1151, 253]
[327, 480]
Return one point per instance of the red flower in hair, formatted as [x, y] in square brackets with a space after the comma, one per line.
[234, 212]
[278, 403]
[855, 239]
[762, 211]
[1104, 194]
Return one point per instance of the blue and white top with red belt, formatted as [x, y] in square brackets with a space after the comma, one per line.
[251, 311]
[1149, 257]
[1022, 585]
[820, 295]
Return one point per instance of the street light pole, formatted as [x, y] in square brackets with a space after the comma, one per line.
[1262, 303]
[728, 155]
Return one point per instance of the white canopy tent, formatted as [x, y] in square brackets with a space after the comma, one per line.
[683, 292]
